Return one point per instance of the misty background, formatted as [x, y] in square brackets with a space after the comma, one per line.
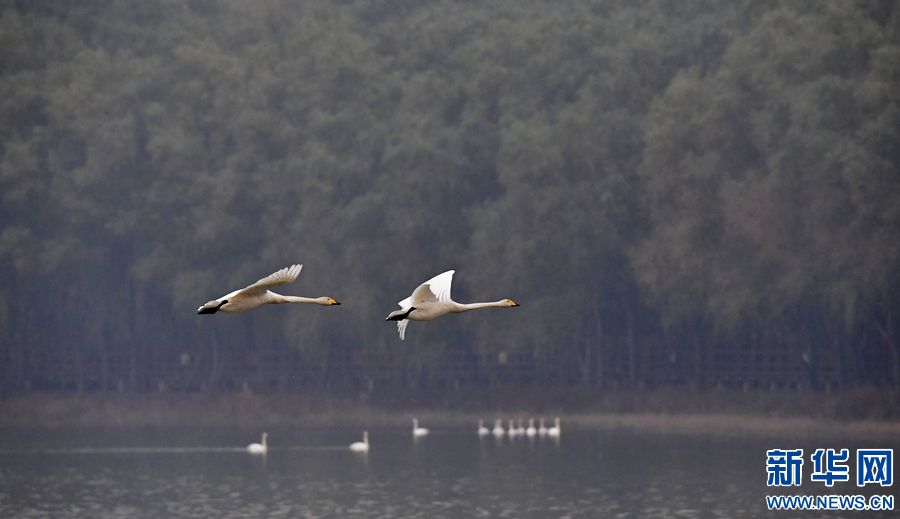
[688, 194]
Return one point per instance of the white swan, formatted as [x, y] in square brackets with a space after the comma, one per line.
[511, 430]
[258, 294]
[520, 430]
[553, 432]
[542, 429]
[432, 300]
[531, 431]
[498, 428]
[259, 448]
[362, 446]
[418, 432]
[482, 430]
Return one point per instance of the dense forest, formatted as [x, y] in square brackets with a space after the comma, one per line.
[686, 193]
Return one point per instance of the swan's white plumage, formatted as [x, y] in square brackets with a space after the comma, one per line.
[554, 431]
[259, 448]
[418, 431]
[435, 289]
[281, 277]
[258, 294]
[431, 300]
[401, 328]
[362, 446]
[498, 428]
[531, 431]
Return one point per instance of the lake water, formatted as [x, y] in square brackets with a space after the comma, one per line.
[205, 472]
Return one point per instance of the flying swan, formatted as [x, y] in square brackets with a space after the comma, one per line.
[432, 300]
[258, 294]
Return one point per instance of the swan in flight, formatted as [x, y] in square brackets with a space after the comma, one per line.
[362, 446]
[259, 448]
[258, 294]
[418, 431]
[482, 430]
[432, 300]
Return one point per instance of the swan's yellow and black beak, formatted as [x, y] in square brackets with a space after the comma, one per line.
[335, 302]
[211, 307]
[399, 315]
[513, 303]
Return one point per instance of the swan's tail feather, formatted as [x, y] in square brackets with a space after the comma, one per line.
[401, 327]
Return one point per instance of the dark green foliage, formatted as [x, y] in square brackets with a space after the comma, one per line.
[660, 184]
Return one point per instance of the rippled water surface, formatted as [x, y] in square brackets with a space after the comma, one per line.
[178, 472]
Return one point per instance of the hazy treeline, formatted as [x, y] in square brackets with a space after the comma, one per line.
[666, 181]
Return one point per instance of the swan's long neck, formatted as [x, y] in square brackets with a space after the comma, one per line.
[264, 439]
[278, 299]
[465, 307]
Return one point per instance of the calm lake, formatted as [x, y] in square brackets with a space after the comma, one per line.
[205, 472]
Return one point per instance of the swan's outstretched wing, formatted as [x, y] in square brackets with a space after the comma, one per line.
[440, 286]
[435, 289]
[282, 277]
[401, 328]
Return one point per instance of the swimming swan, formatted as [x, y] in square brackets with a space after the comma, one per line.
[418, 431]
[258, 294]
[432, 300]
[259, 448]
[553, 432]
[362, 446]
[512, 431]
[482, 430]
[498, 428]
[531, 431]
[542, 430]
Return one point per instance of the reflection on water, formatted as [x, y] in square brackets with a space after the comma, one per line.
[311, 473]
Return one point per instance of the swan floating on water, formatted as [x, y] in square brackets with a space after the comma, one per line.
[498, 428]
[482, 430]
[511, 430]
[553, 432]
[259, 448]
[258, 294]
[362, 446]
[530, 431]
[432, 300]
[417, 431]
[542, 429]
[520, 430]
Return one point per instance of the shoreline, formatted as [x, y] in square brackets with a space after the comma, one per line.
[125, 410]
